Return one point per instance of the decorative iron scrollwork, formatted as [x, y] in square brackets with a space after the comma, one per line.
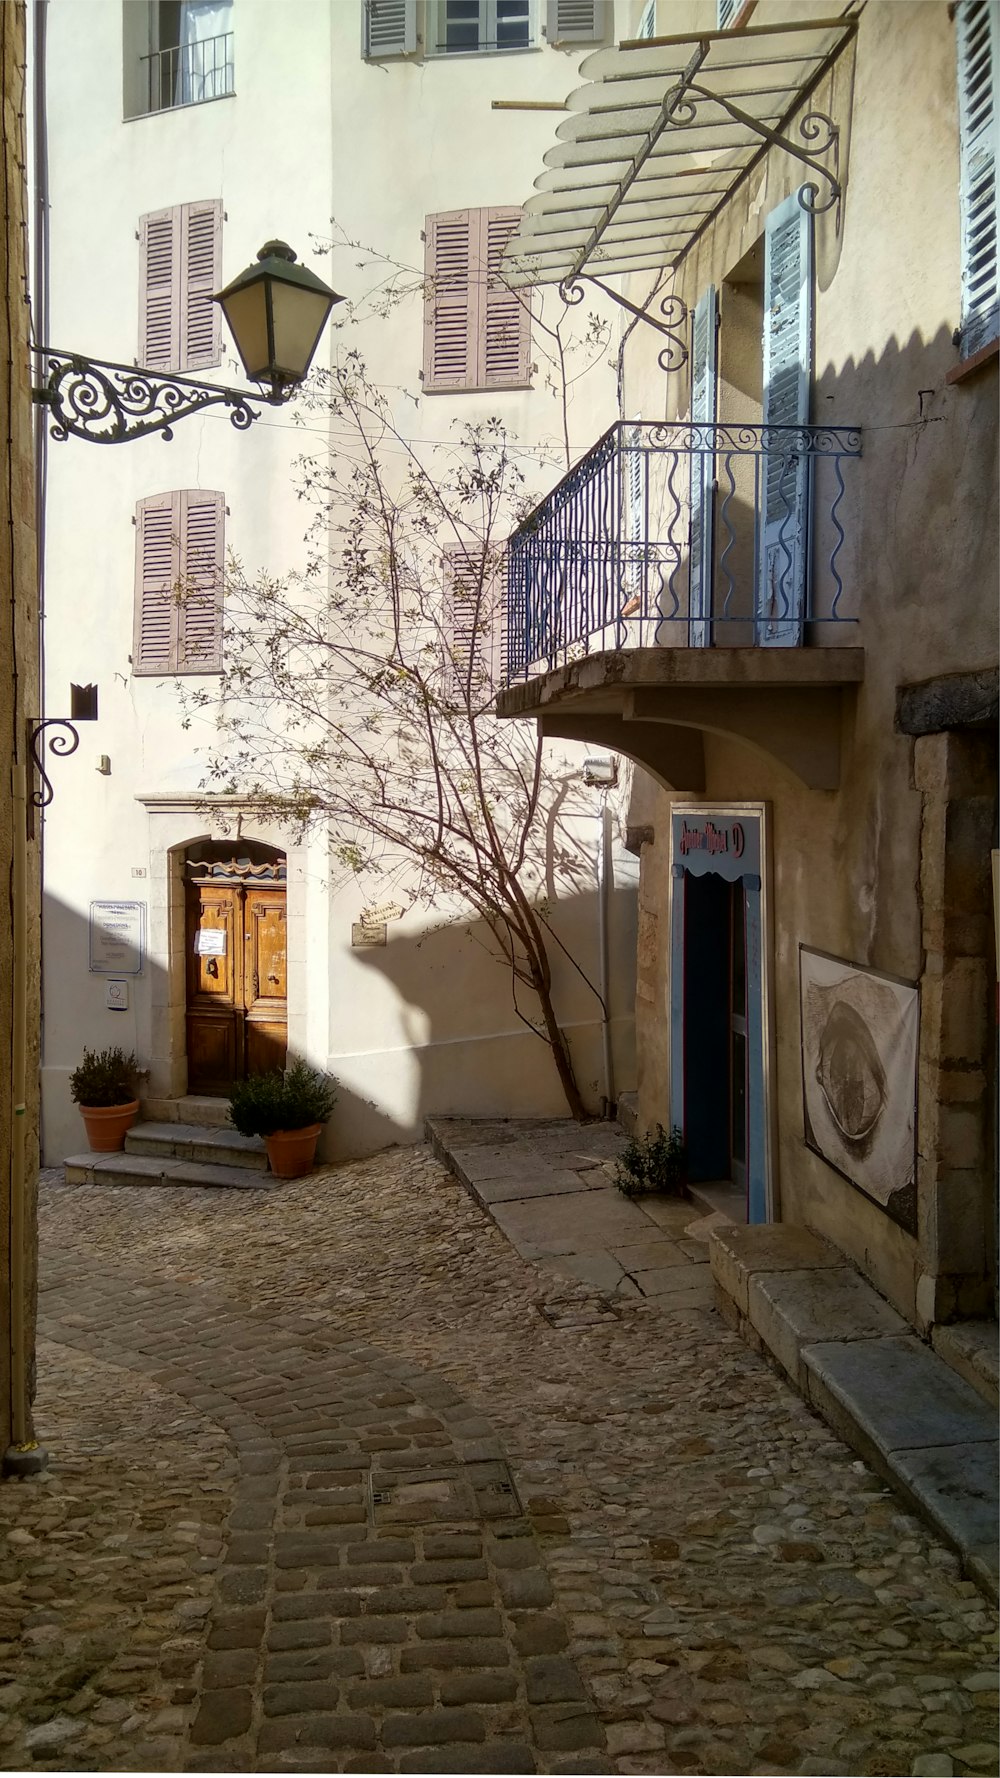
[673, 310]
[111, 403]
[62, 745]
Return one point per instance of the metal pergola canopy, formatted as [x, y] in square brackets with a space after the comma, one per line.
[659, 138]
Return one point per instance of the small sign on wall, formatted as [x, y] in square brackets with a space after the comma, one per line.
[367, 935]
[116, 996]
[117, 937]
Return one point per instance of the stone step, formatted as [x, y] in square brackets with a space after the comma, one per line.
[125, 1168]
[195, 1142]
[191, 1109]
[972, 1348]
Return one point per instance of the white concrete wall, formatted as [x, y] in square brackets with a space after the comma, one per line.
[312, 132]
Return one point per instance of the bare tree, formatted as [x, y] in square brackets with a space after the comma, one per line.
[359, 693]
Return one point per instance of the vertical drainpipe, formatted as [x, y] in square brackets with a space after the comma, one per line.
[605, 875]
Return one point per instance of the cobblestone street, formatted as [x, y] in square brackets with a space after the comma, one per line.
[339, 1482]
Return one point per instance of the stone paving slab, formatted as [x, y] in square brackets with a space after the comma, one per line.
[529, 1183]
[790, 1309]
[124, 1169]
[738, 1254]
[581, 1223]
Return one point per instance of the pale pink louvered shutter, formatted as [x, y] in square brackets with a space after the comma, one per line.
[199, 602]
[505, 330]
[451, 301]
[474, 629]
[157, 569]
[159, 290]
[201, 267]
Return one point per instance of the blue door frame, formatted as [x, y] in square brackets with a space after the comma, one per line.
[728, 841]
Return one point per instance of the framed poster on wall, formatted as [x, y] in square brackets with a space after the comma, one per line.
[859, 1077]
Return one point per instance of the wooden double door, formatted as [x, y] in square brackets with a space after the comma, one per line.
[237, 983]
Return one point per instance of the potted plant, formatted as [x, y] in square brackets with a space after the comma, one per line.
[288, 1110]
[104, 1087]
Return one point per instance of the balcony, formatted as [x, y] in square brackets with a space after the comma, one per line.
[673, 576]
[188, 73]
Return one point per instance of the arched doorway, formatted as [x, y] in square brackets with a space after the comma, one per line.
[236, 975]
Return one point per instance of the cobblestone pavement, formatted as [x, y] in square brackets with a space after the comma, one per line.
[279, 1533]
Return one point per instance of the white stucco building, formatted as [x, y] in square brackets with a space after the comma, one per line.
[209, 127]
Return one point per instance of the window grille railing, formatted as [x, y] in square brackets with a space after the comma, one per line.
[189, 73]
[681, 535]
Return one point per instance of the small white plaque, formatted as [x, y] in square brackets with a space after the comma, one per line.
[210, 941]
[116, 996]
[367, 935]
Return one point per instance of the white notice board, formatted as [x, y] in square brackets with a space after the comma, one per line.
[117, 937]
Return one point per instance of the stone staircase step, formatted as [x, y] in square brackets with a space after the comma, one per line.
[191, 1109]
[195, 1142]
[971, 1348]
[125, 1168]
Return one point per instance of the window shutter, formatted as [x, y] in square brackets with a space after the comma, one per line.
[727, 12]
[201, 268]
[703, 400]
[451, 303]
[783, 524]
[159, 290]
[647, 24]
[157, 567]
[199, 600]
[505, 330]
[575, 21]
[390, 28]
[474, 626]
[634, 469]
[978, 29]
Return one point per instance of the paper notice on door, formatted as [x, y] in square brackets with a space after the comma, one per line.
[210, 941]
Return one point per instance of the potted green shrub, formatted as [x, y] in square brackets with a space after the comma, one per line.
[104, 1087]
[652, 1163]
[288, 1110]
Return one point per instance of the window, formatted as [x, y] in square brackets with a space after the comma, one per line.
[177, 52]
[477, 27]
[731, 14]
[477, 332]
[647, 22]
[474, 628]
[180, 265]
[180, 541]
[977, 26]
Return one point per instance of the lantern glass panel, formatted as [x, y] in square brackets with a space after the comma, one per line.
[298, 317]
[246, 312]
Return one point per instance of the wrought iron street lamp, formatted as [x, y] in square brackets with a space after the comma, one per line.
[276, 310]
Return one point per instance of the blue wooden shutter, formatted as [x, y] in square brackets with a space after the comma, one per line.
[703, 387]
[390, 28]
[978, 29]
[783, 521]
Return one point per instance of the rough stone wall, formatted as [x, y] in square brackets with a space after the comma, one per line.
[18, 684]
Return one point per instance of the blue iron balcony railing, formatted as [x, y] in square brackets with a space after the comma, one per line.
[681, 536]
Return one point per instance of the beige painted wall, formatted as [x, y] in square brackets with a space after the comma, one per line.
[919, 568]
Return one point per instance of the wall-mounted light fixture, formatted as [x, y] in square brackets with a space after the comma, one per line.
[276, 310]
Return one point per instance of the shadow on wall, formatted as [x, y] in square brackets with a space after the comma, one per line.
[472, 1054]
[78, 1017]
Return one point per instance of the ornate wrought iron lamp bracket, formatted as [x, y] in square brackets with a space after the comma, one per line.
[673, 316]
[62, 744]
[112, 403]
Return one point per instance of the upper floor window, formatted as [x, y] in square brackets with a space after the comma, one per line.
[478, 27]
[177, 52]
[477, 331]
[179, 557]
[647, 21]
[978, 53]
[180, 265]
[731, 13]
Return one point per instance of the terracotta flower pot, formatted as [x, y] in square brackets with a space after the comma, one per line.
[106, 1125]
[291, 1153]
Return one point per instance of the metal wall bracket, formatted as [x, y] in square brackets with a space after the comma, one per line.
[674, 315]
[62, 744]
[819, 135]
[112, 403]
